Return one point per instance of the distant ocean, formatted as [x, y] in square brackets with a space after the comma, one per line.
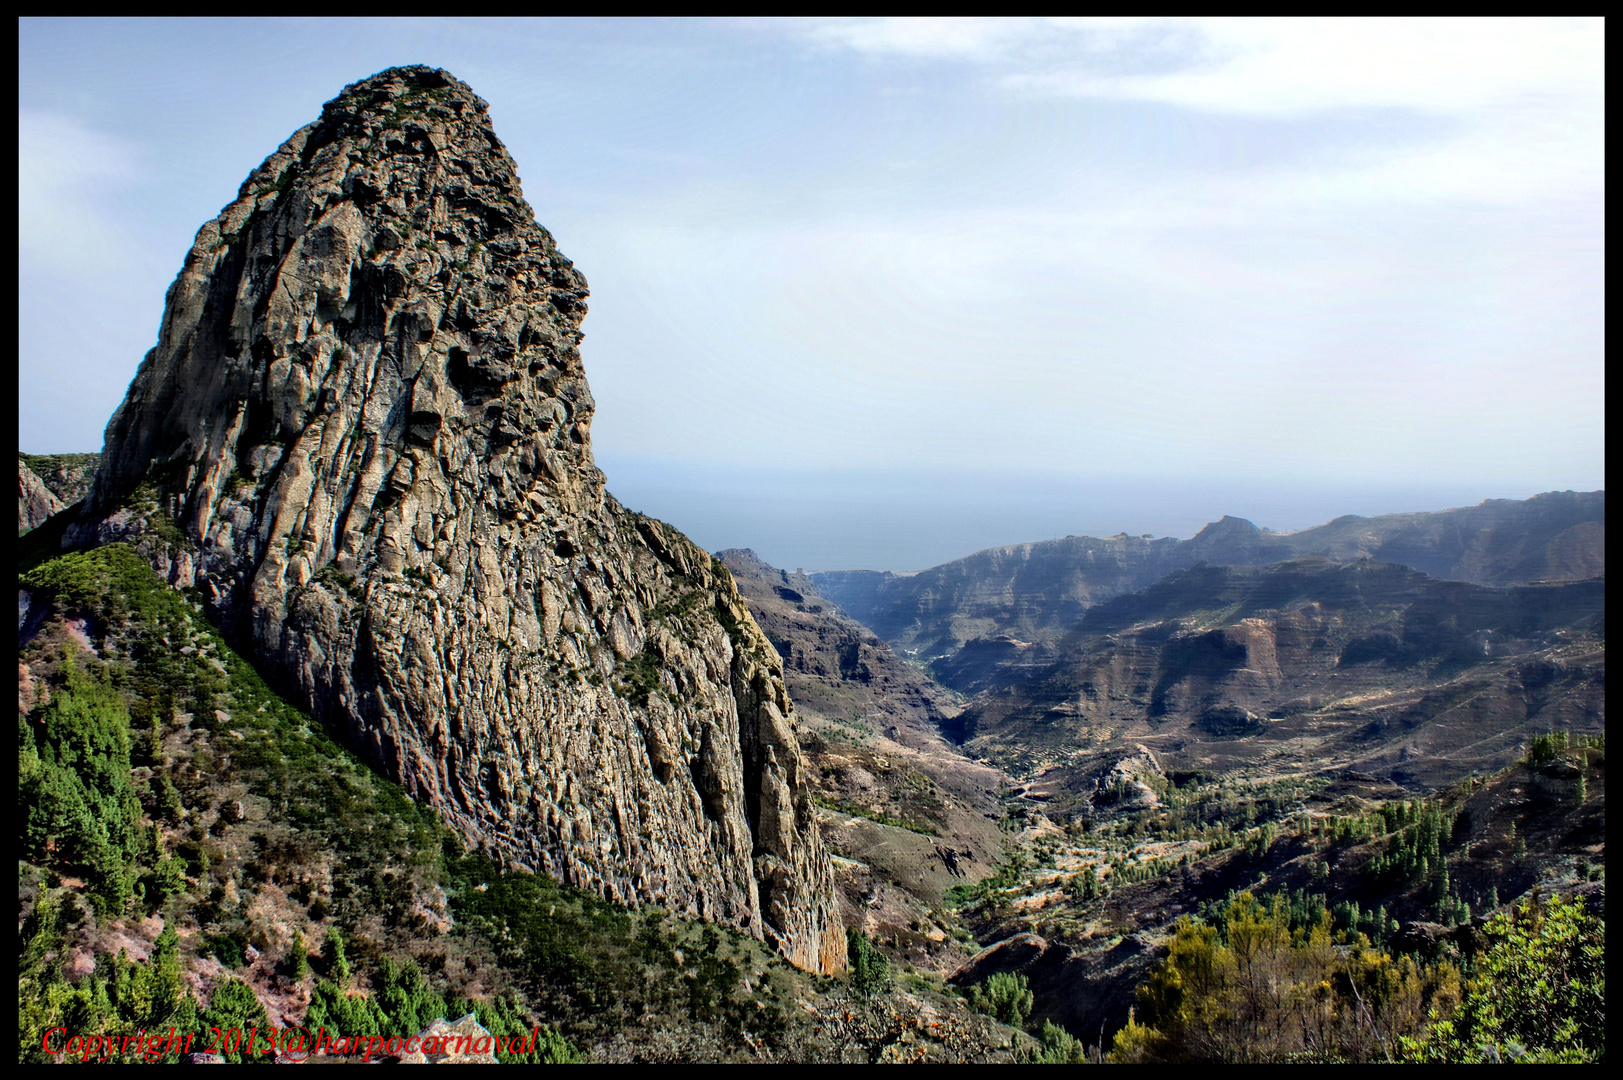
[904, 521]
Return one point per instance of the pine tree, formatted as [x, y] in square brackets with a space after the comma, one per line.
[870, 971]
[333, 951]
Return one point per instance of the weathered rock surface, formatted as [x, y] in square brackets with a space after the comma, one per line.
[35, 501]
[368, 416]
[67, 476]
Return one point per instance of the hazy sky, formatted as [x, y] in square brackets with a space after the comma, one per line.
[882, 292]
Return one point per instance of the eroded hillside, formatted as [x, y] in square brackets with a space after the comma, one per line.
[907, 813]
[972, 619]
[1309, 667]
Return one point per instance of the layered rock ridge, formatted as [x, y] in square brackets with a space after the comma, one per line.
[368, 417]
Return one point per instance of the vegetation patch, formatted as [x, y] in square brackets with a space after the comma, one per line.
[638, 677]
[161, 777]
[876, 816]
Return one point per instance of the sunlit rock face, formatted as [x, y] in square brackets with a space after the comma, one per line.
[367, 414]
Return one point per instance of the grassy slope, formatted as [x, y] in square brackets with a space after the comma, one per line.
[242, 824]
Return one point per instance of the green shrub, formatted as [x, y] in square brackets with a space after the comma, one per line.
[230, 949]
[1537, 993]
[1059, 1047]
[870, 971]
[1004, 996]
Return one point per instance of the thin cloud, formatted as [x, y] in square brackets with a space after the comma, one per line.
[1291, 66]
[1524, 98]
[64, 169]
[1270, 66]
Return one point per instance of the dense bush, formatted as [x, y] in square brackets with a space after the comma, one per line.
[1058, 1047]
[870, 971]
[1250, 988]
[1003, 996]
[1536, 994]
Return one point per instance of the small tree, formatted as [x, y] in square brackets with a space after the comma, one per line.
[298, 961]
[870, 971]
[1003, 996]
[332, 951]
[234, 1009]
[170, 876]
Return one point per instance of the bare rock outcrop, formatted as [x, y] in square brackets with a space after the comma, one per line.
[35, 501]
[464, 1042]
[364, 437]
[67, 476]
[1129, 782]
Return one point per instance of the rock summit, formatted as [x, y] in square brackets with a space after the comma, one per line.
[364, 439]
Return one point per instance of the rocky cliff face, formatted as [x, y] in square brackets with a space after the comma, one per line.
[35, 501]
[367, 415]
[67, 476]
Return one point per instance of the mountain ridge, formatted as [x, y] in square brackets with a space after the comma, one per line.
[1037, 591]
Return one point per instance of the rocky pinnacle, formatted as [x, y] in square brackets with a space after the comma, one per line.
[367, 415]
